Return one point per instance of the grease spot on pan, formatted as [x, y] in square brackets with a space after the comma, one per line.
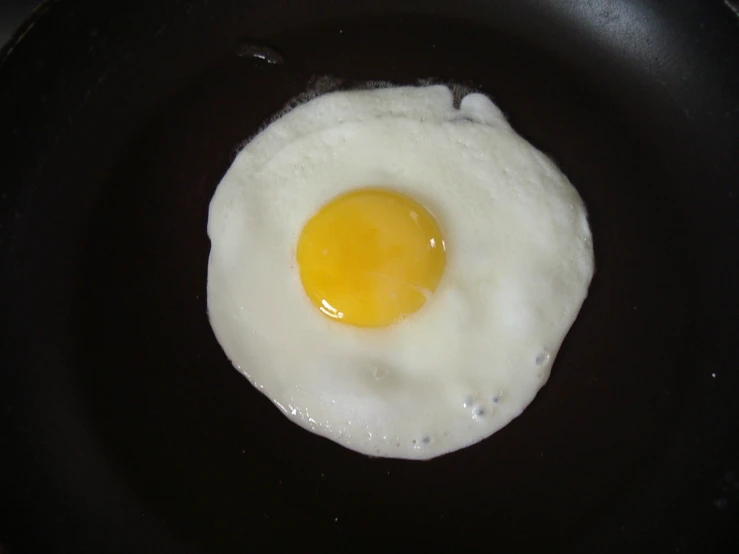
[259, 51]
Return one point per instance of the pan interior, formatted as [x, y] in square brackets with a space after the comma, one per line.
[128, 412]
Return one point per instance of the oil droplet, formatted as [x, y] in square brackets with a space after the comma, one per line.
[260, 52]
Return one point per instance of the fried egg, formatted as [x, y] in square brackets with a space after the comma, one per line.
[393, 272]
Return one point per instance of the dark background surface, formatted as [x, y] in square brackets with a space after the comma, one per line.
[128, 429]
[12, 14]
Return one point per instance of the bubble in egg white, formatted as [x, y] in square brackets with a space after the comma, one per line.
[519, 263]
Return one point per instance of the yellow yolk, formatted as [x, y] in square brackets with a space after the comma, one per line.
[370, 257]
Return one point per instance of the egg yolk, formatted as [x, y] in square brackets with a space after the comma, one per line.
[371, 257]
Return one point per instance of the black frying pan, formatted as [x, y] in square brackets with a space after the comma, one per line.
[123, 427]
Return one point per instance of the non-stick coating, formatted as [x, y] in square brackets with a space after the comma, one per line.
[123, 427]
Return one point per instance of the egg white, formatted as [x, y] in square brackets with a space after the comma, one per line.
[519, 263]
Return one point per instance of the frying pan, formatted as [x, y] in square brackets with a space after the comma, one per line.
[123, 427]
